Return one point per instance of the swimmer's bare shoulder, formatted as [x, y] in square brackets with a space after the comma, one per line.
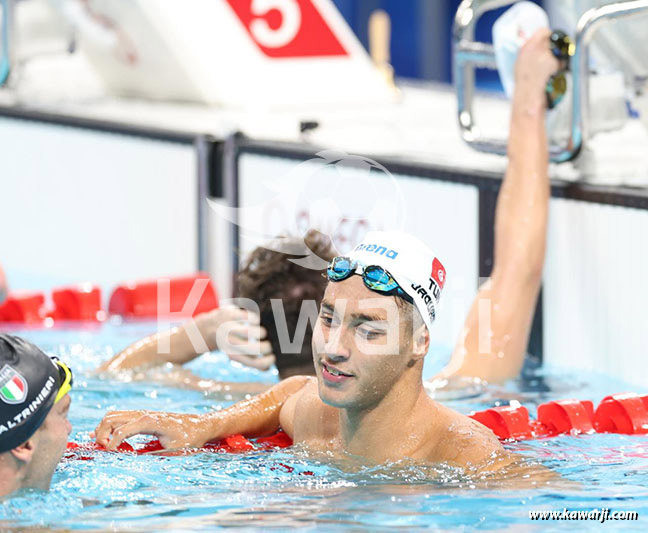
[469, 444]
[306, 418]
[475, 448]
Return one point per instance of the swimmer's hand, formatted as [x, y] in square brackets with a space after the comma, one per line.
[173, 430]
[238, 333]
[534, 66]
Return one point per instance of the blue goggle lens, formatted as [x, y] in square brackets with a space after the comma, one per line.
[377, 279]
[340, 268]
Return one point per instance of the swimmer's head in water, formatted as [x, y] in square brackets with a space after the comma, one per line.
[375, 318]
[31, 383]
[271, 274]
[34, 404]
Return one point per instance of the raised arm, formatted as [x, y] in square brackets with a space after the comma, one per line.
[186, 342]
[256, 417]
[508, 298]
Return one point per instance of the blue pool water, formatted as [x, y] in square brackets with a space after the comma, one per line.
[270, 490]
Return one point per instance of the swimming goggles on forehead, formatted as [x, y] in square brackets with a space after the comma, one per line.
[375, 277]
[66, 377]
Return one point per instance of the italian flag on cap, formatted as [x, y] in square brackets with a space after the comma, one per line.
[13, 387]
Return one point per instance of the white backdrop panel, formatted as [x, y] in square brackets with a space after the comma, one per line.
[77, 205]
[595, 293]
[279, 195]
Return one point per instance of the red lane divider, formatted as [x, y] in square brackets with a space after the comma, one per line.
[190, 295]
[508, 423]
[25, 307]
[140, 299]
[81, 302]
[620, 413]
[566, 416]
[231, 444]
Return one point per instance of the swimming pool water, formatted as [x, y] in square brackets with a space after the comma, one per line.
[290, 488]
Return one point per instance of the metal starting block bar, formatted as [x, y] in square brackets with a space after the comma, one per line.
[470, 54]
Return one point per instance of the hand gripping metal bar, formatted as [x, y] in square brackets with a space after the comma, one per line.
[469, 55]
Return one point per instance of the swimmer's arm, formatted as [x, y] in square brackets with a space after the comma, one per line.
[185, 379]
[150, 351]
[199, 335]
[256, 417]
[508, 298]
[253, 418]
[287, 413]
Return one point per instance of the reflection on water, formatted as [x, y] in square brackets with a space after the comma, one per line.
[294, 488]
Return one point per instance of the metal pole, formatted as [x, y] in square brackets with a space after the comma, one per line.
[202, 145]
[587, 26]
[7, 59]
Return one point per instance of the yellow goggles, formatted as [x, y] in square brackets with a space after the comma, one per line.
[66, 380]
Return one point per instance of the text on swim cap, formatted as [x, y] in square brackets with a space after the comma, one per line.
[429, 301]
[31, 408]
[376, 249]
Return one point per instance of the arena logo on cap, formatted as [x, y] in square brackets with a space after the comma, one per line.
[377, 249]
[13, 387]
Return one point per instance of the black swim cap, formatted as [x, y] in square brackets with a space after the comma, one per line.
[29, 381]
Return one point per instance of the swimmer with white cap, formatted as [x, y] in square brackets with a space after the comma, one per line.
[368, 363]
[511, 291]
[369, 343]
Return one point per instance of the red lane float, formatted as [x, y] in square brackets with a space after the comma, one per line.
[79, 302]
[231, 444]
[566, 416]
[189, 295]
[619, 413]
[508, 422]
[622, 413]
[25, 307]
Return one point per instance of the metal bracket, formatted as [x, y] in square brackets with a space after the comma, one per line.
[469, 55]
[6, 34]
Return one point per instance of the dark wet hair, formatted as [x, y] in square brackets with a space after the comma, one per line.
[269, 273]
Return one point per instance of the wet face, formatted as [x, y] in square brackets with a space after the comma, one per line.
[362, 344]
[51, 441]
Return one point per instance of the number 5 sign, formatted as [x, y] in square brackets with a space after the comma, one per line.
[287, 28]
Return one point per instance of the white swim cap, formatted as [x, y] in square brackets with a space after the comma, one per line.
[411, 263]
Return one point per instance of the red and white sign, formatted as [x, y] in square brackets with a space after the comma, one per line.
[240, 54]
[287, 28]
